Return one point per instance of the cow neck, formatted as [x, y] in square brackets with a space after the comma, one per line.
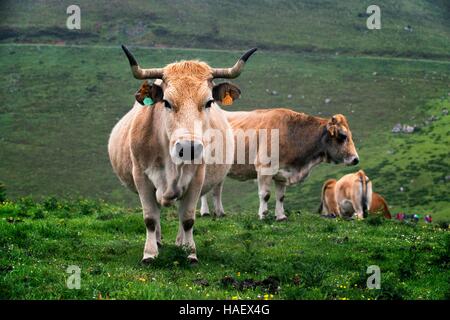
[312, 135]
[159, 125]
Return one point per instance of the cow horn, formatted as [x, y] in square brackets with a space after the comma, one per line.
[138, 73]
[235, 71]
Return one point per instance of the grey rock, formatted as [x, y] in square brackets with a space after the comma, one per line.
[408, 128]
[397, 128]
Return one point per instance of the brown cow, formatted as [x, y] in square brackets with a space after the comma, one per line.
[350, 195]
[158, 151]
[304, 142]
[379, 206]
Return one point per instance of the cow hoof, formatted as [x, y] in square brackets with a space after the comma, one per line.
[159, 243]
[192, 258]
[281, 218]
[263, 215]
[147, 260]
[205, 214]
[220, 214]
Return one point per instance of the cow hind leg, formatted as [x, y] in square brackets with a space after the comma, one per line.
[357, 201]
[217, 198]
[264, 195]
[204, 208]
[330, 205]
[280, 189]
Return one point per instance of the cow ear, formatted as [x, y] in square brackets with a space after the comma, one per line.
[333, 120]
[332, 127]
[147, 90]
[225, 93]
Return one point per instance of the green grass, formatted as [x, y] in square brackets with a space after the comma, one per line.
[307, 258]
[291, 25]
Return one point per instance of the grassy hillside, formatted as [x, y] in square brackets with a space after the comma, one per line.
[60, 103]
[240, 257]
[298, 26]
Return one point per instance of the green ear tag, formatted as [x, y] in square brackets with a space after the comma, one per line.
[148, 101]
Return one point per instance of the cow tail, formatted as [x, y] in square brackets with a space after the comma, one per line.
[319, 210]
[364, 194]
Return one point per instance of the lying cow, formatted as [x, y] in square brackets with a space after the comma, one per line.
[351, 195]
[155, 150]
[304, 142]
[379, 206]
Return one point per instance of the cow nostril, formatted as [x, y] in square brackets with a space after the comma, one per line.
[355, 161]
[188, 150]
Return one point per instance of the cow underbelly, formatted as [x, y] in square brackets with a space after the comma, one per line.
[242, 172]
[287, 175]
[215, 173]
[166, 182]
[292, 175]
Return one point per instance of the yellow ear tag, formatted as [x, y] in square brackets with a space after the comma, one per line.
[227, 100]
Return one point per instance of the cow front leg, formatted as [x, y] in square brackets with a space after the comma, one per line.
[204, 209]
[151, 213]
[217, 198]
[186, 213]
[185, 237]
[264, 195]
[280, 189]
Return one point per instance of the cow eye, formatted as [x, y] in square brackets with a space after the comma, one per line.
[167, 104]
[209, 104]
[342, 137]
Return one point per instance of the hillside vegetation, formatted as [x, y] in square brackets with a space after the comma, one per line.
[296, 26]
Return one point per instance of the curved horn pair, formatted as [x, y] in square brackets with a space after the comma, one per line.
[157, 73]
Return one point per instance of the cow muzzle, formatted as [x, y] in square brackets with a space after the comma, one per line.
[352, 161]
[187, 150]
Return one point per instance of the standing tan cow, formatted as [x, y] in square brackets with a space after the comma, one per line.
[304, 142]
[158, 151]
[348, 196]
